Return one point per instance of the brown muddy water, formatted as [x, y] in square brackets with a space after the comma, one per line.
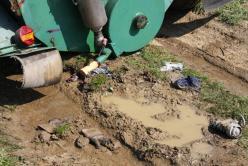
[38, 106]
[182, 129]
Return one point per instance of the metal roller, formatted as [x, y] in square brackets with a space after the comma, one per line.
[41, 69]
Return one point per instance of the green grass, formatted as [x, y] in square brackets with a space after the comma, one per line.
[6, 143]
[233, 12]
[198, 9]
[10, 107]
[97, 82]
[152, 57]
[222, 103]
[6, 147]
[190, 72]
[244, 139]
[6, 160]
[61, 130]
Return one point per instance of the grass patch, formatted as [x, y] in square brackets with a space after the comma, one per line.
[198, 9]
[61, 130]
[233, 12]
[222, 103]
[244, 139]
[10, 107]
[6, 160]
[152, 59]
[6, 143]
[81, 60]
[97, 82]
[76, 63]
[7, 147]
[190, 72]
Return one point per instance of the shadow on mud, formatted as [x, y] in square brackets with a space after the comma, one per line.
[10, 93]
[171, 28]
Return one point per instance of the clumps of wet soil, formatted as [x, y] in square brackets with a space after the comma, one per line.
[167, 115]
[144, 87]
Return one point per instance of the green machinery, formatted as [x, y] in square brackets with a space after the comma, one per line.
[107, 27]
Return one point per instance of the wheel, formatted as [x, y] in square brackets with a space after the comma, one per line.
[184, 4]
[133, 24]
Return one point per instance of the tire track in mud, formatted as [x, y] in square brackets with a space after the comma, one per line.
[206, 45]
[194, 59]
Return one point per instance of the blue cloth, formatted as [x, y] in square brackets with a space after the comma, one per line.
[189, 82]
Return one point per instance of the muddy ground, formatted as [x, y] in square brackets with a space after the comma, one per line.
[155, 123]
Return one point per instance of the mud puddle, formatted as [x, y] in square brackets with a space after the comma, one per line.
[174, 125]
[37, 106]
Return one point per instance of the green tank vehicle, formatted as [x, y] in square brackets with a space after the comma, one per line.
[35, 31]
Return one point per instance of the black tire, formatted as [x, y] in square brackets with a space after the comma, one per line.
[184, 4]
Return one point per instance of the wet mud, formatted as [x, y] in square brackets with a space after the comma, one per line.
[155, 123]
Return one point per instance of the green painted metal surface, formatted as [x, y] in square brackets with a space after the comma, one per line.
[58, 23]
[125, 37]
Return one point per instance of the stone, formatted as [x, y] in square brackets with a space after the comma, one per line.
[44, 137]
[54, 137]
[47, 127]
[117, 145]
[92, 132]
[81, 142]
[55, 122]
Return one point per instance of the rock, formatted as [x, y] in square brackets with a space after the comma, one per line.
[55, 122]
[96, 142]
[97, 138]
[47, 127]
[111, 89]
[7, 117]
[92, 132]
[44, 137]
[54, 137]
[105, 150]
[117, 145]
[81, 142]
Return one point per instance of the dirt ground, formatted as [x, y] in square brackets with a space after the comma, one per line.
[174, 133]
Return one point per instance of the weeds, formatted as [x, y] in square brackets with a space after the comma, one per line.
[7, 147]
[198, 9]
[152, 61]
[244, 139]
[97, 82]
[222, 102]
[233, 12]
[62, 129]
[6, 160]
[10, 107]
[190, 72]
[5, 142]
